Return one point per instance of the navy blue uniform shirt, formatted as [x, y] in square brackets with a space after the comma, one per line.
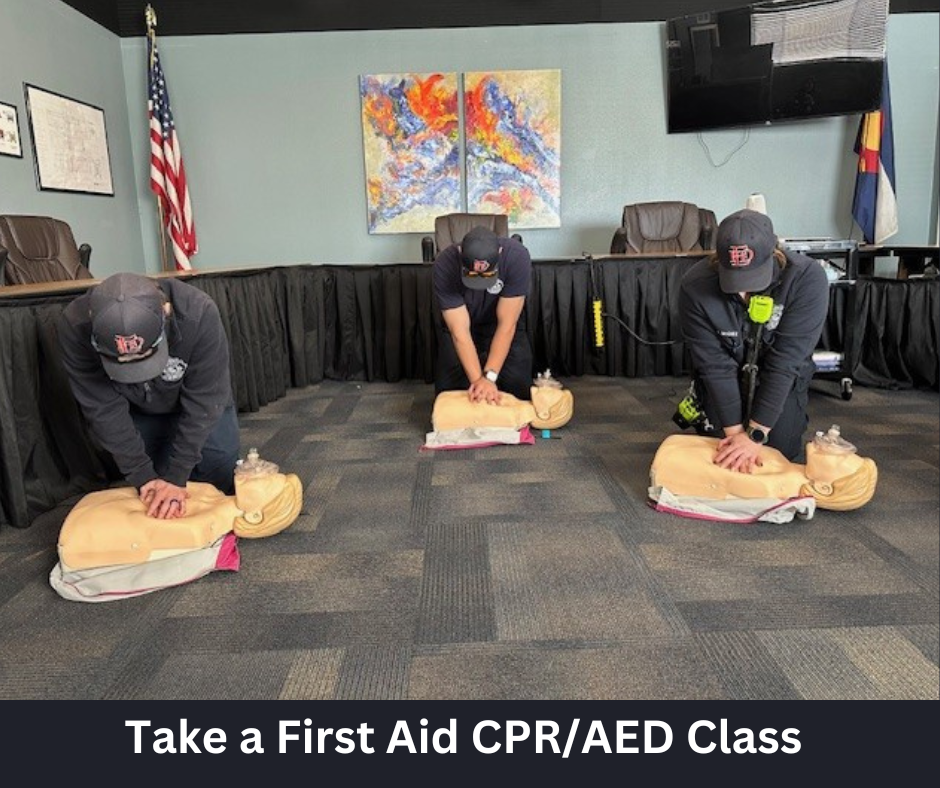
[195, 384]
[514, 279]
[715, 326]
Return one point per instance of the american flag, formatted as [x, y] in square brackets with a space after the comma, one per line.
[167, 174]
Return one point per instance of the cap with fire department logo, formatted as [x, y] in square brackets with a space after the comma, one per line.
[745, 245]
[128, 327]
[479, 254]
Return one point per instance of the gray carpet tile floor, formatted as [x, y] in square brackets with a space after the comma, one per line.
[513, 572]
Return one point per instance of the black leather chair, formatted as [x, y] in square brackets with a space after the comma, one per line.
[40, 249]
[662, 227]
[451, 228]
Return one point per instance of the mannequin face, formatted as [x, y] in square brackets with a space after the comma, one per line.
[553, 407]
[268, 503]
[839, 481]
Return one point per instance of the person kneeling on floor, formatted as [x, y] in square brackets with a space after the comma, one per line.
[148, 364]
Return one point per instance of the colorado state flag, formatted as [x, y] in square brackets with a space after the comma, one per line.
[875, 207]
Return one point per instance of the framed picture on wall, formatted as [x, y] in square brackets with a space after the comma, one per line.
[70, 143]
[512, 139]
[410, 137]
[10, 131]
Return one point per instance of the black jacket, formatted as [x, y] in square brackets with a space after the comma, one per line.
[196, 384]
[715, 326]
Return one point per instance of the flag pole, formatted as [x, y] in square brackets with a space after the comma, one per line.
[150, 16]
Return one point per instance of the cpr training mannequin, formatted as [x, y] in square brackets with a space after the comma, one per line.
[460, 423]
[454, 415]
[110, 549]
[683, 475]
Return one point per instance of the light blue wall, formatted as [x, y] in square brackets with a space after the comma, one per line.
[48, 44]
[272, 140]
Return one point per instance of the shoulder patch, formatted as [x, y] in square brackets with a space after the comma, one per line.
[174, 370]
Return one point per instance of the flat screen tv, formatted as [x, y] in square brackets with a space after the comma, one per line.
[779, 60]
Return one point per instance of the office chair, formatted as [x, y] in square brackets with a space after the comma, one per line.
[40, 249]
[654, 227]
[451, 228]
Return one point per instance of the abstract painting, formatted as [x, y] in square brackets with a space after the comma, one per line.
[513, 145]
[410, 134]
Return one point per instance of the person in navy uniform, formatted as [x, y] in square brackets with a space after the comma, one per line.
[481, 285]
[148, 364]
[718, 330]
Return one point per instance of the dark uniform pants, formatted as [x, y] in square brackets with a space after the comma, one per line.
[219, 454]
[515, 377]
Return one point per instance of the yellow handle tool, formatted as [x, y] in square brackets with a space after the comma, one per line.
[598, 324]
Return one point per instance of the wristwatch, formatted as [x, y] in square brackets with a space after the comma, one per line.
[491, 375]
[757, 435]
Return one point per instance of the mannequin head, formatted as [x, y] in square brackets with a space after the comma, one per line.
[554, 407]
[839, 481]
[268, 503]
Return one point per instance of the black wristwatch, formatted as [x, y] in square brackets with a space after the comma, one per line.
[757, 435]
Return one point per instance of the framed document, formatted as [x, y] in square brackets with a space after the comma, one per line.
[70, 143]
[9, 131]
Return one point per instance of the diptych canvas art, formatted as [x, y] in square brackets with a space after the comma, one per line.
[410, 137]
[512, 147]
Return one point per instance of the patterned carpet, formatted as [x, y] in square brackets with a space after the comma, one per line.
[513, 572]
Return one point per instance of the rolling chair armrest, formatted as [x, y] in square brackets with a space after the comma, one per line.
[707, 236]
[84, 255]
[618, 244]
[3, 264]
[427, 249]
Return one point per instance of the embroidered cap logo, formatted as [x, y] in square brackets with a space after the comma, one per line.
[740, 256]
[481, 268]
[128, 345]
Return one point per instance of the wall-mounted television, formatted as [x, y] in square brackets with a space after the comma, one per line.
[778, 60]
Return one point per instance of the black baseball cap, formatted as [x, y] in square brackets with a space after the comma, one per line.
[745, 245]
[128, 327]
[479, 254]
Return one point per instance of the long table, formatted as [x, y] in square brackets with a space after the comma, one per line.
[293, 326]
[911, 260]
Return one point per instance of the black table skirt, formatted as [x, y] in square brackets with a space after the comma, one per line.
[295, 326]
